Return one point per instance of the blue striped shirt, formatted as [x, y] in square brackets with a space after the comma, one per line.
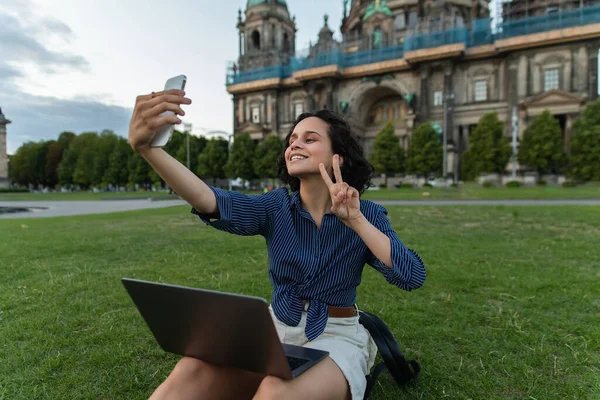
[323, 265]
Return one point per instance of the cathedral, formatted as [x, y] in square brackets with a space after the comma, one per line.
[412, 61]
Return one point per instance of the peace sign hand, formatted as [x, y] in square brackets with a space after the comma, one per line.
[344, 198]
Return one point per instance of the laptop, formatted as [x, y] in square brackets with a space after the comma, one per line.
[220, 328]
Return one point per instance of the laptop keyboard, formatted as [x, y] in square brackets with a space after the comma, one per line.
[295, 362]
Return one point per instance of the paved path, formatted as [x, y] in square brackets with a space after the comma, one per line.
[41, 209]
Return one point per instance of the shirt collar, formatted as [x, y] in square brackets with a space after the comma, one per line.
[295, 200]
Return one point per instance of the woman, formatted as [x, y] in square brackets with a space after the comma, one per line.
[318, 240]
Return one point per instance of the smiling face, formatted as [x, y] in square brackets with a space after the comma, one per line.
[314, 139]
[308, 146]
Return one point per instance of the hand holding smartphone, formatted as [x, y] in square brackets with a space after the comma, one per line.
[163, 134]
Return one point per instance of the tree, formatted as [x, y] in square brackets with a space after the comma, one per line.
[584, 163]
[424, 155]
[138, 170]
[211, 162]
[174, 144]
[75, 166]
[85, 146]
[117, 172]
[542, 145]
[489, 150]
[28, 164]
[387, 156]
[196, 147]
[241, 158]
[67, 166]
[65, 138]
[105, 146]
[267, 156]
[53, 160]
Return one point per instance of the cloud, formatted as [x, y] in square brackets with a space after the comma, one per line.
[37, 118]
[23, 38]
[19, 44]
[8, 72]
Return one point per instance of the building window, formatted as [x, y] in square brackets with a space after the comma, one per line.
[298, 109]
[256, 40]
[550, 79]
[412, 18]
[481, 90]
[438, 98]
[286, 42]
[400, 21]
[255, 115]
[459, 21]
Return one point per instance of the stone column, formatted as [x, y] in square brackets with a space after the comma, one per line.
[582, 70]
[234, 100]
[522, 77]
[593, 74]
[3, 151]
[500, 84]
[424, 94]
[275, 112]
[266, 109]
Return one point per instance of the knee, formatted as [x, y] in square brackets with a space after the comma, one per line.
[271, 388]
[190, 366]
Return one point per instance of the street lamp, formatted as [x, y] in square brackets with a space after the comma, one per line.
[187, 127]
[515, 128]
[447, 96]
[229, 137]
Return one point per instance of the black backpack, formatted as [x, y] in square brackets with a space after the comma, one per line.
[403, 371]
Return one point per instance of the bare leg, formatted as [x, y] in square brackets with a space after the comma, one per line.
[195, 379]
[323, 381]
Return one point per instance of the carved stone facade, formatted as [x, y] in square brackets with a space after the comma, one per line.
[559, 76]
[3, 151]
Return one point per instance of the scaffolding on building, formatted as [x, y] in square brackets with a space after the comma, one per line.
[510, 10]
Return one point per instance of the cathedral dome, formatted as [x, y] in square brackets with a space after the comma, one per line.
[252, 3]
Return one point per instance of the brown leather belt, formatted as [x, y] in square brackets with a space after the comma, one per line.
[335, 312]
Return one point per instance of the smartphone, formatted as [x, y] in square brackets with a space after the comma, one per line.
[163, 134]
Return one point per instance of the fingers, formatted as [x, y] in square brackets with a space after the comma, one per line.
[157, 122]
[146, 97]
[164, 98]
[336, 169]
[162, 107]
[350, 193]
[325, 176]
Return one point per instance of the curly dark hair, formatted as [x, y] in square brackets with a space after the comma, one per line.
[356, 169]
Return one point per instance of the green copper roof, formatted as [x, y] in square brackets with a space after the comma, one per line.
[377, 6]
[252, 3]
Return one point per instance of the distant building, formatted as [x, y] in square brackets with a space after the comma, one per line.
[411, 61]
[3, 151]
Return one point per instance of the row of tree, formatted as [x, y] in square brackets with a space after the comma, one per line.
[106, 159]
[541, 149]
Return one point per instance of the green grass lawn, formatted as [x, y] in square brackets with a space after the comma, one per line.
[510, 308]
[465, 192]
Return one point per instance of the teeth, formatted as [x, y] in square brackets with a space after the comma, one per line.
[298, 158]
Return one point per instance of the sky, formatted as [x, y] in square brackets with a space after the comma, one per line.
[72, 65]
